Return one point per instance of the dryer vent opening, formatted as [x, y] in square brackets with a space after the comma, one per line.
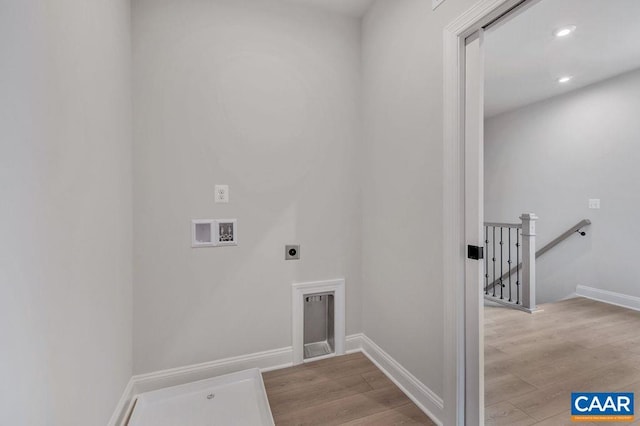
[319, 317]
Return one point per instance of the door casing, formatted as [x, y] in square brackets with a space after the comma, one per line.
[463, 208]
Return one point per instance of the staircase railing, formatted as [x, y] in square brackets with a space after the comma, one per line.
[517, 286]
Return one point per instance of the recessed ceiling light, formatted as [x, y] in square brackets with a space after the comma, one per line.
[565, 79]
[564, 31]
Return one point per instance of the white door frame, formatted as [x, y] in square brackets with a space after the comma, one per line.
[463, 336]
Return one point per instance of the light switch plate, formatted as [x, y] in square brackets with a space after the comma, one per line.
[222, 194]
[594, 203]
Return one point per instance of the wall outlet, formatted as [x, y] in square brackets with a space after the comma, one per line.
[594, 203]
[222, 194]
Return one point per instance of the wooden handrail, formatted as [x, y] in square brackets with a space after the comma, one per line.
[575, 228]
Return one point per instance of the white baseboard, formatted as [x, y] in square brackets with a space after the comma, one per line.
[427, 400]
[123, 405]
[618, 299]
[354, 343]
[266, 360]
[275, 359]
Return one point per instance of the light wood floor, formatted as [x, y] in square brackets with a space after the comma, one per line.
[534, 362]
[336, 391]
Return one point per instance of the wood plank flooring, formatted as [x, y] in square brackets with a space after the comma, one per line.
[534, 362]
[345, 390]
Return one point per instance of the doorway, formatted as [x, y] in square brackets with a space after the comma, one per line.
[561, 85]
[464, 207]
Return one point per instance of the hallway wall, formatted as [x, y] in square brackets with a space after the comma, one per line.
[550, 158]
[65, 219]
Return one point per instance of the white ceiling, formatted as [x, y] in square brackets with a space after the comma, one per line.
[353, 8]
[523, 59]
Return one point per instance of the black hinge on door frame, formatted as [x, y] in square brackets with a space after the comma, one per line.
[475, 252]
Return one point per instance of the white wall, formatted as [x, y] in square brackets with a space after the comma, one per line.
[65, 216]
[402, 193]
[262, 96]
[550, 158]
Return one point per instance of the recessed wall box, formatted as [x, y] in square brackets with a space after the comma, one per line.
[226, 232]
[292, 252]
[319, 328]
[202, 233]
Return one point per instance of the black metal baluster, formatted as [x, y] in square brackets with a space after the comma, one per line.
[501, 263]
[486, 260]
[517, 268]
[509, 264]
[494, 261]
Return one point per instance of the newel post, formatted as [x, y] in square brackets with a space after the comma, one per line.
[529, 260]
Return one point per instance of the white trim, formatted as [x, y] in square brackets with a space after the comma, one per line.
[354, 343]
[436, 3]
[473, 224]
[257, 389]
[456, 399]
[265, 361]
[427, 400]
[610, 297]
[123, 405]
[298, 292]
[272, 359]
[512, 305]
